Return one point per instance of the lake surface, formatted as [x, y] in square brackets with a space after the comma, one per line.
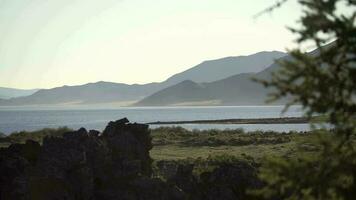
[91, 118]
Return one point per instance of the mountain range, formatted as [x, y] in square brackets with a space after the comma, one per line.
[239, 89]
[8, 93]
[213, 70]
[225, 81]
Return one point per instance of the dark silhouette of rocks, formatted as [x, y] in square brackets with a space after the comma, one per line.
[114, 164]
[185, 180]
[84, 165]
[228, 181]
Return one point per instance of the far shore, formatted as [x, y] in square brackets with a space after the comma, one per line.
[284, 120]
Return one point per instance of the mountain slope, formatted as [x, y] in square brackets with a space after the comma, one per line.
[100, 92]
[106, 92]
[7, 93]
[235, 90]
[238, 89]
[186, 91]
[214, 70]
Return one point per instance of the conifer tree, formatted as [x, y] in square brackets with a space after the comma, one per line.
[324, 83]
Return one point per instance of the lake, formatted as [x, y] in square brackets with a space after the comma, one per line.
[27, 118]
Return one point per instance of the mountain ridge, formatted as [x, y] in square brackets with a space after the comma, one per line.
[224, 67]
[108, 92]
[238, 89]
[235, 90]
[8, 93]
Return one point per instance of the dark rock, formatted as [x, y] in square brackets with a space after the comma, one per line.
[185, 180]
[115, 127]
[112, 165]
[94, 133]
[16, 163]
[66, 165]
[82, 165]
[155, 189]
[229, 181]
[166, 168]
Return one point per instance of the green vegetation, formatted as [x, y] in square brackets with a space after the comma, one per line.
[182, 137]
[38, 136]
[2, 135]
[206, 149]
[177, 143]
[201, 164]
[210, 150]
[323, 83]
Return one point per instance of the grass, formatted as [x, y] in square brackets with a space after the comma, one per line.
[177, 143]
[205, 149]
[38, 136]
[236, 137]
[208, 149]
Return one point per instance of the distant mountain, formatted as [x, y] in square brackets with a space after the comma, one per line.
[238, 89]
[91, 93]
[234, 90]
[183, 92]
[7, 93]
[124, 94]
[214, 70]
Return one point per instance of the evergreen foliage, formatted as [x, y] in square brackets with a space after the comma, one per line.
[324, 83]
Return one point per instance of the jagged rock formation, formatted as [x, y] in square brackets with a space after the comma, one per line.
[111, 165]
[228, 181]
[84, 165]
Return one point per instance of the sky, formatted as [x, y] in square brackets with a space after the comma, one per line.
[51, 43]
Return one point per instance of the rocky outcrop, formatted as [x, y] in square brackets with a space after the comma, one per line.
[114, 164]
[228, 181]
[16, 164]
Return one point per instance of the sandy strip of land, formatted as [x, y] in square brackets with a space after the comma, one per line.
[284, 120]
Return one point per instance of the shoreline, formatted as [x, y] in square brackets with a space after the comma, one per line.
[282, 120]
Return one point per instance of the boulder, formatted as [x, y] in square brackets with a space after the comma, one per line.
[84, 165]
[16, 163]
[229, 181]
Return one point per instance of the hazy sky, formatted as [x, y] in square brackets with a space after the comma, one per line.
[49, 43]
